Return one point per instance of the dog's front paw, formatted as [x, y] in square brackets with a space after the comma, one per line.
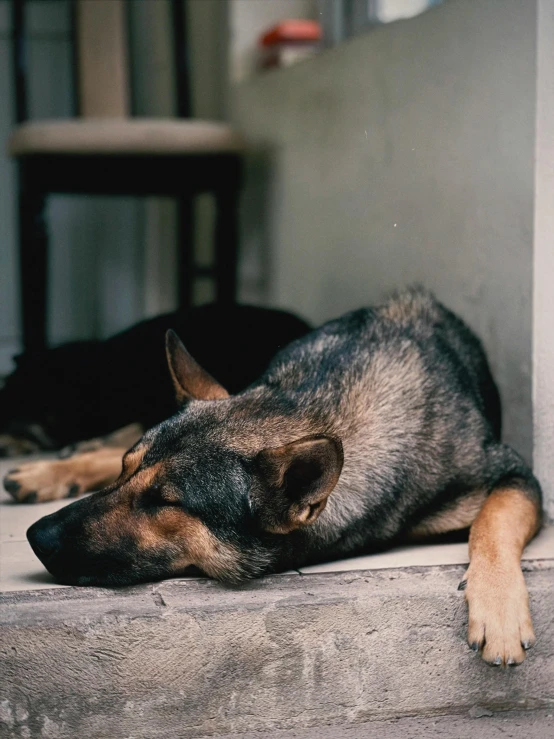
[499, 618]
[38, 482]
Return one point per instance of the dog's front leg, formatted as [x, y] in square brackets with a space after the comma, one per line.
[122, 438]
[52, 479]
[499, 617]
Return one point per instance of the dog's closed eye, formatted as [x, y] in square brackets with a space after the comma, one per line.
[157, 497]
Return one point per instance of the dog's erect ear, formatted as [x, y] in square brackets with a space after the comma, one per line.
[294, 482]
[190, 381]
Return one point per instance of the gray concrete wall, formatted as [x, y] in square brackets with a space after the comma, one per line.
[543, 335]
[188, 659]
[407, 154]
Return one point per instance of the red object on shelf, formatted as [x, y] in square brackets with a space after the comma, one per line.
[292, 32]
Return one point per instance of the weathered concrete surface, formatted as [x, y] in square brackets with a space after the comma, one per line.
[190, 659]
[509, 725]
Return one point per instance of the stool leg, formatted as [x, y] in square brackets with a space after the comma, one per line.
[33, 266]
[185, 246]
[226, 245]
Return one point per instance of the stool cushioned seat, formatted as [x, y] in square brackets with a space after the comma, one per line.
[138, 136]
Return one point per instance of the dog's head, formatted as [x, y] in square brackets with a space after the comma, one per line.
[217, 487]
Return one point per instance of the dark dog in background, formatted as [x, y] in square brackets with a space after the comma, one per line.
[82, 390]
[380, 425]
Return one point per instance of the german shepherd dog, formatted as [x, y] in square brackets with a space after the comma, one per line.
[382, 424]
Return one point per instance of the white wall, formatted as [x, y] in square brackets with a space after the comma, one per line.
[406, 155]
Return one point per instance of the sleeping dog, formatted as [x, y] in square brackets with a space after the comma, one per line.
[382, 424]
[59, 397]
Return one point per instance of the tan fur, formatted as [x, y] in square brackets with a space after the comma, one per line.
[132, 461]
[198, 546]
[407, 307]
[395, 312]
[52, 479]
[190, 380]
[92, 465]
[171, 528]
[499, 618]
[459, 516]
[122, 438]
[15, 446]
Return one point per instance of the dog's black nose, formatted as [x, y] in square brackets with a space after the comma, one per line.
[44, 537]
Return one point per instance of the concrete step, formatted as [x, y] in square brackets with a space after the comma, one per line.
[193, 658]
[481, 723]
[317, 653]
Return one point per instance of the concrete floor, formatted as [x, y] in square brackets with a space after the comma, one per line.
[21, 570]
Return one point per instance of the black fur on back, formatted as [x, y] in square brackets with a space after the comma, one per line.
[86, 389]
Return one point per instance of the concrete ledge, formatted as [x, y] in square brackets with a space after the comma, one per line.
[510, 725]
[192, 658]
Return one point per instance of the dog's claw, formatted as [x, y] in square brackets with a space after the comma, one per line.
[474, 646]
[73, 491]
[11, 486]
[462, 585]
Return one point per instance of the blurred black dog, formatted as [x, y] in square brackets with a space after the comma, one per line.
[88, 389]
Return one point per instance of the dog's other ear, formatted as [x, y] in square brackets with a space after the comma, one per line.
[190, 381]
[294, 482]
